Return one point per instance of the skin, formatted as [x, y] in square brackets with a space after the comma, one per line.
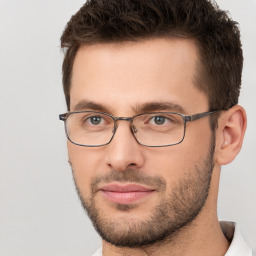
[116, 76]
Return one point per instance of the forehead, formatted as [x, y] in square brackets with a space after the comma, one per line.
[122, 75]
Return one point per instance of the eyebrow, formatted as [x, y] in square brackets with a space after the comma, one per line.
[159, 106]
[139, 108]
[86, 104]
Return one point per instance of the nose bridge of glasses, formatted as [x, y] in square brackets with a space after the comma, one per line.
[127, 119]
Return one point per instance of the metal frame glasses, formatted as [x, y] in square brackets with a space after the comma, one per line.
[137, 123]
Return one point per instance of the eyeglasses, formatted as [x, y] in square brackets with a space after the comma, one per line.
[157, 129]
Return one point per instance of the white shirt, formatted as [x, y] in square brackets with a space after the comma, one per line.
[238, 246]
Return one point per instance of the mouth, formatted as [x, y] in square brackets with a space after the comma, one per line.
[125, 193]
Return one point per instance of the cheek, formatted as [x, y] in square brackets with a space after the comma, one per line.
[86, 163]
[174, 162]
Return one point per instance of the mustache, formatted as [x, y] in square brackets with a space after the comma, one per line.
[129, 175]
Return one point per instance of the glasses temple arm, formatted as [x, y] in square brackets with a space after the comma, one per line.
[62, 117]
[198, 116]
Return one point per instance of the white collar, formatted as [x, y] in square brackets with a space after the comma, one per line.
[238, 246]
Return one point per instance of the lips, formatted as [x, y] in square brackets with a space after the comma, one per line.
[125, 193]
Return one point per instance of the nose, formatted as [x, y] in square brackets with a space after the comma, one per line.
[124, 151]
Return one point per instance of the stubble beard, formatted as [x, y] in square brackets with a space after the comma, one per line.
[172, 214]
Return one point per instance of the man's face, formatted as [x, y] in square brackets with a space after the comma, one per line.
[137, 195]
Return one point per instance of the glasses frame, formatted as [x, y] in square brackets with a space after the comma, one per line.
[186, 118]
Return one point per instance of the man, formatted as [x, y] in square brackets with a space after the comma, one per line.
[152, 89]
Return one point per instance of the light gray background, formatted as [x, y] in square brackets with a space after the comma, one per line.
[40, 213]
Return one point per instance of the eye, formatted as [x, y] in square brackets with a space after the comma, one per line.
[95, 120]
[159, 120]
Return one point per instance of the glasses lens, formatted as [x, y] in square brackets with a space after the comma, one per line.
[158, 129]
[89, 128]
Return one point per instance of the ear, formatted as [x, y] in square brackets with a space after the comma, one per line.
[230, 134]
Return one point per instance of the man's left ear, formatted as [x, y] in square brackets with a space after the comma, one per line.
[230, 134]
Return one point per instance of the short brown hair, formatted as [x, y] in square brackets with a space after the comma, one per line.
[216, 35]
